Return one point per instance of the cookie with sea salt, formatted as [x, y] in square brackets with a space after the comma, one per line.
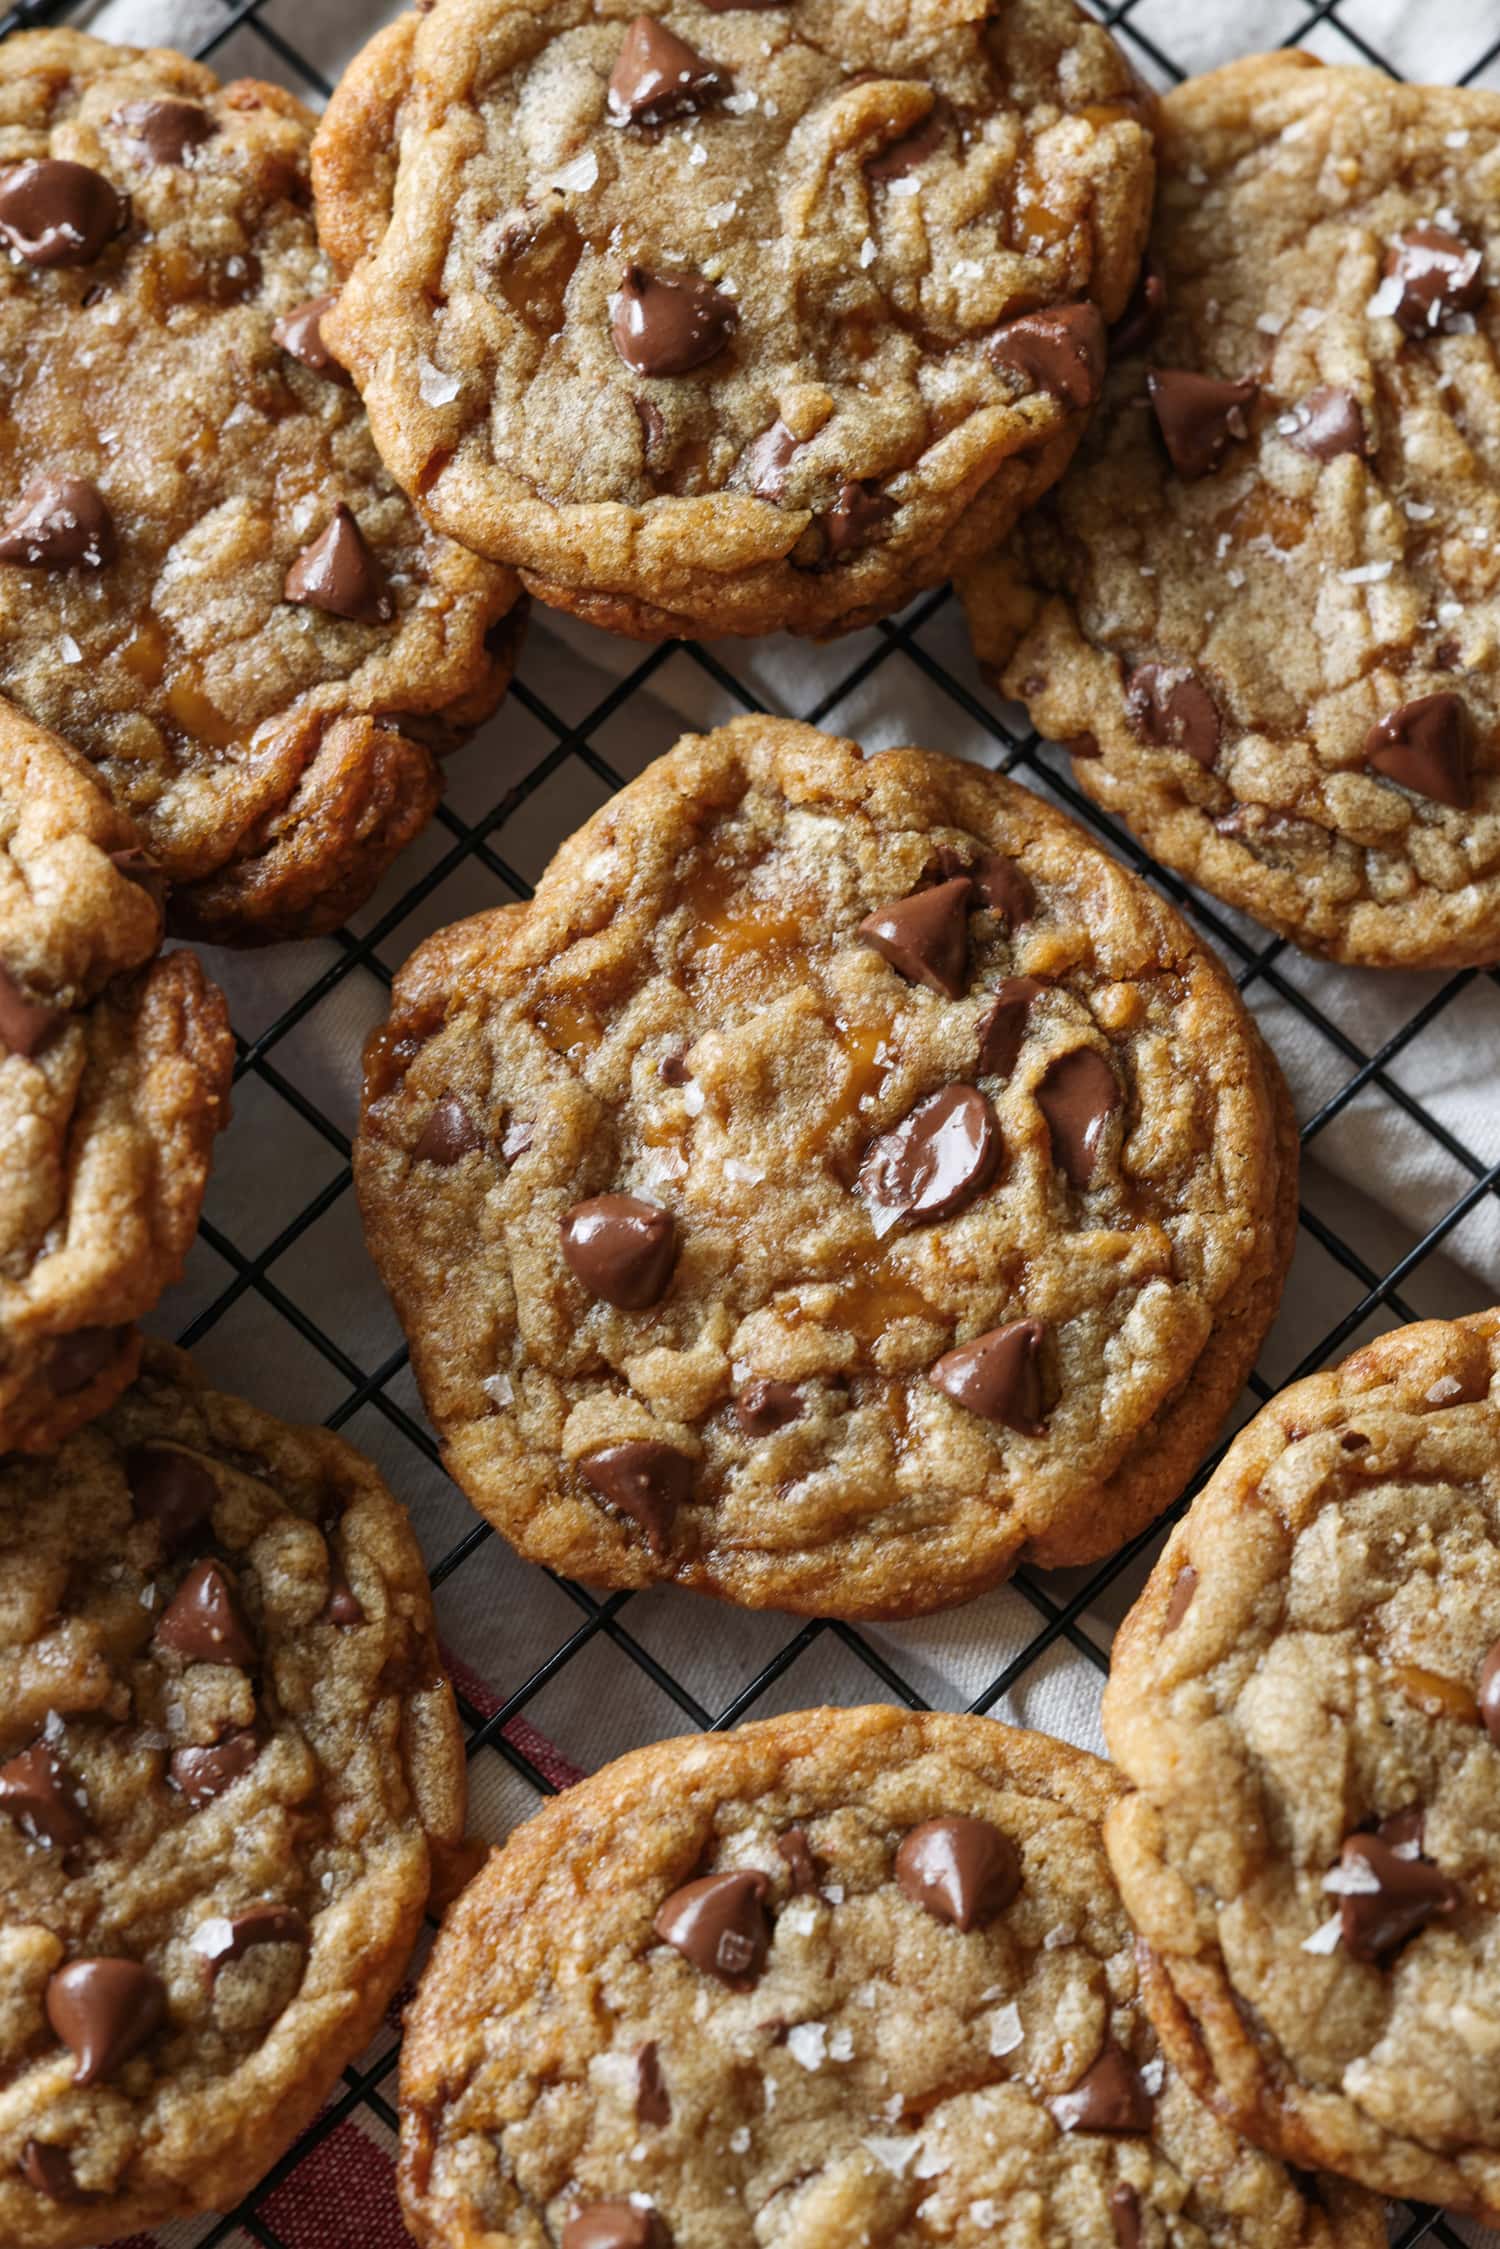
[1263, 609]
[841, 1183]
[729, 318]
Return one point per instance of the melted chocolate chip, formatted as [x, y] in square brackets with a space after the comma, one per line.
[80, 1358]
[59, 523]
[1168, 706]
[1408, 1893]
[55, 213]
[767, 458]
[219, 1942]
[339, 575]
[449, 1134]
[963, 1871]
[1489, 1693]
[1002, 1028]
[644, 1480]
[1180, 1599]
[673, 1070]
[855, 517]
[24, 1023]
[622, 1249]
[1077, 1096]
[900, 157]
[999, 886]
[172, 1489]
[203, 1774]
[34, 1793]
[1125, 2215]
[998, 1376]
[1440, 275]
[934, 1163]
[49, 2171]
[104, 2010]
[1329, 422]
[926, 937]
[203, 1622]
[617, 2225]
[653, 2103]
[1198, 416]
[801, 1866]
[1110, 2097]
[168, 131]
[1061, 352]
[1143, 315]
[764, 1407]
[659, 76]
[300, 334]
[343, 1606]
[1425, 747]
[668, 324]
[719, 1923]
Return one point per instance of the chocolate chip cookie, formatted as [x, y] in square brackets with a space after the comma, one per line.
[227, 1758]
[731, 318]
[208, 584]
[845, 1977]
[1307, 1701]
[841, 1183]
[114, 1078]
[1263, 609]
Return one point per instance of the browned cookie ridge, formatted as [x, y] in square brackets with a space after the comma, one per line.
[229, 1768]
[1305, 1702]
[1262, 609]
[845, 1977]
[208, 583]
[841, 1183]
[732, 318]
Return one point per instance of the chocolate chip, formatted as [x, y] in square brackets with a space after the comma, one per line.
[80, 1358]
[644, 1480]
[59, 523]
[935, 1161]
[926, 937]
[719, 1923]
[801, 1866]
[1077, 1096]
[1143, 315]
[300, 334]
[668, 324]
[203, 1622]
[618, 2225]
[519, 1134]
[167, 130]
[1407, 1894]
[659, 76]
[902, 156]
[34, 1793]
[1168, 706]
[49, 2171]
[55, 213]
[203, 1774]
[1082, 746]
[764, 1407]
[999, 885]
[1002, 1028]
[24, 1023]
[767, 458]
[1125, 2215]
[1062, 352]
[963, 1871]
[1489, 1693]
[653, 2104]
[1328, 422]
[172, 1489]
[1180, 1599]
[622, 1249]
[673, 1070]
[1439, 273]
[1110, 2097]
[220, 1941]
[998, 1376]
[104, 2010]
[343, 1606]
[1425, 747]
[1198, 416]
[855, 517]
[338, 574]
[449, 1134]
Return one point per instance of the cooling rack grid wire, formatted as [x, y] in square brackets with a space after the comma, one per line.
[279, 1301]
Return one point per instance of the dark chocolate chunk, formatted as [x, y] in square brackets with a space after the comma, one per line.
[622, 1249]
[998, 1376]
[1198, 416]
[719, 1923]
[963, 1871]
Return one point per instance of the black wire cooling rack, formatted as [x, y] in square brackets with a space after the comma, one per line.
[1373, 1281]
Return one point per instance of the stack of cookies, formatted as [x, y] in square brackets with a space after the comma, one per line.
[841, 1183]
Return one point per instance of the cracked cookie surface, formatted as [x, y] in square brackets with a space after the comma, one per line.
[704, 320]
[1265, 618]
[167, 463]
[929, 2030]
[1307, 1701]
[228, 1759]
[840, 1183]
[115, 1068]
